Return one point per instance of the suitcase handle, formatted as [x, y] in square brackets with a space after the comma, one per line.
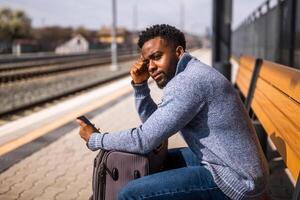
[114, 174]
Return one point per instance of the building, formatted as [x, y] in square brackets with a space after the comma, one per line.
[78, 44]
[122, 35]
[24, 46]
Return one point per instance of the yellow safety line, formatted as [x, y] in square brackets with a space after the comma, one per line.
[65, 119]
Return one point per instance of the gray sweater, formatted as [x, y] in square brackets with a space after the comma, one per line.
[201, 104]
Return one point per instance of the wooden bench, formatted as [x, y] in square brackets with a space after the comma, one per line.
[272, 93]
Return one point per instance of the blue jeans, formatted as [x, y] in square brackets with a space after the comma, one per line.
[183, 179]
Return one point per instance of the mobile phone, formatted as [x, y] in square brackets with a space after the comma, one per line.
[88, 122]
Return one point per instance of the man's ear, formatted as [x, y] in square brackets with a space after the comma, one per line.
[179, 51]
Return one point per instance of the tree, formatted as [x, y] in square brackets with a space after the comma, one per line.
[52, 36]
[90, 35]
[14, 24]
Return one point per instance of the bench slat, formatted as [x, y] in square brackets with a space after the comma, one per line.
[243, 79]
[248, 62]
[288, 107]
[243, 87]
[284, 78]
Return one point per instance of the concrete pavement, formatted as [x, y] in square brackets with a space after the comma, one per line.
[63, 169]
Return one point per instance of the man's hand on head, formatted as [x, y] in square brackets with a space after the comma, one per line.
[139, 71]
[85, 130]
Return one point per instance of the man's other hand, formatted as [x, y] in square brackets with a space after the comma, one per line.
[139, 71]
[85, 130]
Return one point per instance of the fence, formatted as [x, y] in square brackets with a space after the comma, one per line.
[271, 32]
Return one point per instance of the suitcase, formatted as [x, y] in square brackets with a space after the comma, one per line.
[114, 169]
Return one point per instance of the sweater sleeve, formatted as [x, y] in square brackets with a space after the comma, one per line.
[178, 107]
[144, 104]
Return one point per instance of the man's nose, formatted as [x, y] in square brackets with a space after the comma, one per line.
[152, 67]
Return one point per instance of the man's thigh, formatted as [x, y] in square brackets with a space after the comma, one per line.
[188, 183]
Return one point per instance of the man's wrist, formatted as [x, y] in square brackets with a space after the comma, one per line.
[91, 142]
[88, 137]
[141, 90]
[139, 83]
[95, 142]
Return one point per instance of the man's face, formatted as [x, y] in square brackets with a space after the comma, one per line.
[162, 60]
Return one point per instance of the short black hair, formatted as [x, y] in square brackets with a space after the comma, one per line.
[165, 31]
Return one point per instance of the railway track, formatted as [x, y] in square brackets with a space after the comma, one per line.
[18, 74]
[15, 65]
[31, 108]
[26, 89]
[5, 60]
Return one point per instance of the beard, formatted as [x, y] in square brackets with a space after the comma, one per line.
[160, 86]
[162, 81]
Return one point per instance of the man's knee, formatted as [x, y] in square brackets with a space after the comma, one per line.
[129, 191]
[123, 194]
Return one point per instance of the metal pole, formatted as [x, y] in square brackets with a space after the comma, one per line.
[221, 40]
[292, 41]
[114, 64]
[135, 18]
[134, 47]
[182, 15]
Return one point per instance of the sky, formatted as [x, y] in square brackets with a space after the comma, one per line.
[93, 14]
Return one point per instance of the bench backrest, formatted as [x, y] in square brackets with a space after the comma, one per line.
[276, 103]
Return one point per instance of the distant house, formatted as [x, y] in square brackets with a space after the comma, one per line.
[105, 35]
[78, 44]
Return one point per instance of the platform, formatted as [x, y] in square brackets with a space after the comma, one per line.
[63, 169]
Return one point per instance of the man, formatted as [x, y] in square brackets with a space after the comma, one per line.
[224, 159]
